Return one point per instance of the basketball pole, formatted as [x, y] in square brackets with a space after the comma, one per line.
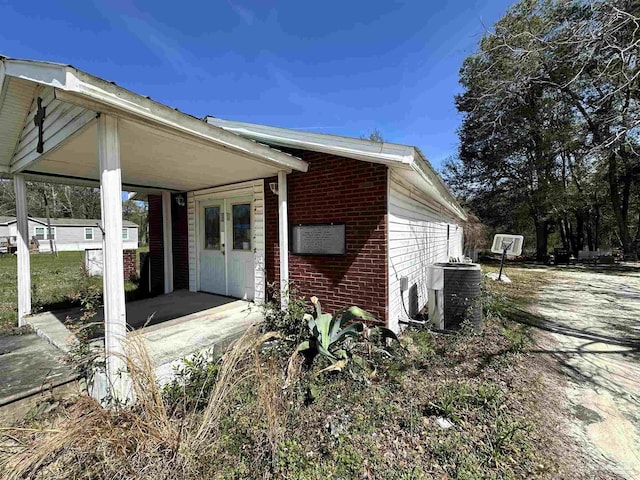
[504, 254]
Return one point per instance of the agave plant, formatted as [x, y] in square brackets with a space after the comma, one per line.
[328, 331]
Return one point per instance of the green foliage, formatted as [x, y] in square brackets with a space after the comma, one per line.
[449, 401]
[548, 143]
[518, 337]
[193, 382]
[329, 334]
[84, 352]
[290, 322]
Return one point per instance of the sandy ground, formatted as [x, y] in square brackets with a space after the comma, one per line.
[603, 387]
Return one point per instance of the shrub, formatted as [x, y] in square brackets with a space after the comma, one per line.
[194, 379]
[290, 323]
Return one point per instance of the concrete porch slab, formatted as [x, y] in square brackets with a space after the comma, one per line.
[173, 326]
[28, 365]
[210, 330]
[149, 311]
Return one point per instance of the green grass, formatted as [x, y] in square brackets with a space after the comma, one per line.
[55, 282]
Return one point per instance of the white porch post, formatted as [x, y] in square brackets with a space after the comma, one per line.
[24, 260]
[284, 238]
[166, 236]
[115, 324]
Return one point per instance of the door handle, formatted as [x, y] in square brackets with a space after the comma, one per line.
[222, 250]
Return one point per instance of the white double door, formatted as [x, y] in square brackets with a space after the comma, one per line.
[226, 249]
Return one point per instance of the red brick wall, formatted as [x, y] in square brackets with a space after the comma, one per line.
[336, 189]
[130, 263]
[156, 248]
[180, 242]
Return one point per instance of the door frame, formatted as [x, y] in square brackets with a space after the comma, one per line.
[226, 200]
[258, 190]
[211, 202]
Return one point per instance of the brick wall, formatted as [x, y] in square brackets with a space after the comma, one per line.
[156, 248]
[130, 263]
[180, 243]
[336, 189]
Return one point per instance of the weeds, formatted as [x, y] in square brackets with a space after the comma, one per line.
[193, 382]
[290, 323]
[245, 415]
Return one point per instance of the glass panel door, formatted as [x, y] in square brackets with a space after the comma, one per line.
[241, 218]
[212, 262]
[212, 228]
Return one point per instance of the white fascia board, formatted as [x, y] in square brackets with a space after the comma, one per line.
[74, 86]
[358, 149]
[44, 73]
[400, 157]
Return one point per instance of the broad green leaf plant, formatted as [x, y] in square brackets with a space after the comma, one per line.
[328, 333]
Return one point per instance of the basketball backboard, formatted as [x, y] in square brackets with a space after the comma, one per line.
[513, 244]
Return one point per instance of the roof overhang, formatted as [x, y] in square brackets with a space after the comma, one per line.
[161, 148]
[409, 162]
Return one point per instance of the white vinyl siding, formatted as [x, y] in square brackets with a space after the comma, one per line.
[417, 238]
[256, 190]
[61, 120]
[88, 233]
[40, 233]
[74, 237]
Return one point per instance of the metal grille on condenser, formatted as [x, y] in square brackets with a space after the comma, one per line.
[462, 297]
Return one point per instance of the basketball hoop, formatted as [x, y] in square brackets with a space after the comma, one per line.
[506, 245]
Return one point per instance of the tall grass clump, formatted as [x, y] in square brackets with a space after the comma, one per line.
[144, 440]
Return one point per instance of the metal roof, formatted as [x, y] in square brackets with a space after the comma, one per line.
[406, 158]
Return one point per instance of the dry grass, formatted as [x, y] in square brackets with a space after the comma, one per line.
[144, 441]
[259, 422]
[526, 282]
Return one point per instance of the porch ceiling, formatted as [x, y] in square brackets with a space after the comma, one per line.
[153, 159]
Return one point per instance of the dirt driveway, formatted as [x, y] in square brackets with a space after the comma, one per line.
[602, 361]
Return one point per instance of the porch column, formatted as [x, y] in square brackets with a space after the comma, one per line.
[115, 324]
[24, 260]
[166, 237]
[284, 238]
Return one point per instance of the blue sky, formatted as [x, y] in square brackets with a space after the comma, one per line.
[337, 67]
